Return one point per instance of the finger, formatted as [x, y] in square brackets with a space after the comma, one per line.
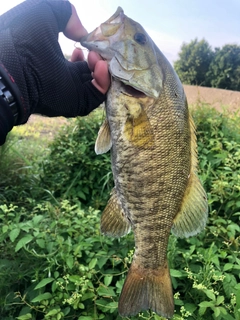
[101, 77]
[77, 55]
[93, 58]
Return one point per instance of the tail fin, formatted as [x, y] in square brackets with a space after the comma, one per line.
[147, 289]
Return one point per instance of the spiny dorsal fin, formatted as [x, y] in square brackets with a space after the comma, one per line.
[113, 220]
[103, 143]
[193, 213]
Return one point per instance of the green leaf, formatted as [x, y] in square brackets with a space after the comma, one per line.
[106, 291]
[229, 283]
[206, 304]
[217, 312]
[53, 312]
[219, 300]
[238, 299]
[102, 261]
[4, 229]
[70, 262]
[25, 317]
[92, 263]
[41, 243]
[87, 295]
[190, 307]
[75, 278]
[81, 195]
[227, 266]
[37, 219]
[176, 273]
[202, 310]
[108, 280]
[22, 242]
[210, 294]
[112, 306]
[43, 296]
[14, 234]
[43, 283]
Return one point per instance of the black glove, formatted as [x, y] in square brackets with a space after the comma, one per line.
[30, 51]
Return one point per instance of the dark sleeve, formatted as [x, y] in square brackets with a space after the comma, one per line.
[50, 84]
[6, 120]
[60, 8]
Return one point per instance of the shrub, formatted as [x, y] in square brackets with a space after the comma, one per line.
[55, 264]
[72, 170]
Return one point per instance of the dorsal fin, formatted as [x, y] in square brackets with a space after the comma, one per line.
[192, 217]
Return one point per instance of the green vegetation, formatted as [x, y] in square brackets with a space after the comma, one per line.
[55, 264]
[199, 64]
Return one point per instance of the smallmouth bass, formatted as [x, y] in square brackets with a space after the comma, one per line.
[152, 140]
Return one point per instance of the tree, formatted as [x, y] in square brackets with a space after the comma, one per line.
[224, 70]
[194, 61]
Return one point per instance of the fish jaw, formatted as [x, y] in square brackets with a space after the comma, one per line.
[130, 52]
[102, 38]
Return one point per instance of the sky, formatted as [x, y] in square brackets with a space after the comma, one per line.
[170, 23]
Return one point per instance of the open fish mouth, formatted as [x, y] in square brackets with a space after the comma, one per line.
[130, 53]
[131, 91]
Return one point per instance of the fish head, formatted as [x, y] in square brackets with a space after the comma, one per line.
[130, 52]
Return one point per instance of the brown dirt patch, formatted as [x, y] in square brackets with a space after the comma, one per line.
[217, 98]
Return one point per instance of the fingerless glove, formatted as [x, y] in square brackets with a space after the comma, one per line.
[29, 50]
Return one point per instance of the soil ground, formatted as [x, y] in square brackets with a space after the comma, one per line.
[217, 98]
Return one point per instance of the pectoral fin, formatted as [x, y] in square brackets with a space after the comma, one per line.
[138, 129]
[113, 220]
[103, 143]
[193, 213]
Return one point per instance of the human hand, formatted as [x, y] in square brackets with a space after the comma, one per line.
[74, 29]
[99, 68]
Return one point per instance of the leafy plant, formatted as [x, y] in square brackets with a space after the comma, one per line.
[55, 264]
[72, 170]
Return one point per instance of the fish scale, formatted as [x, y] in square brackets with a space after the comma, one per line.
[152, 140]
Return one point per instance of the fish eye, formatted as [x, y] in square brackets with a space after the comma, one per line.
[140, 38]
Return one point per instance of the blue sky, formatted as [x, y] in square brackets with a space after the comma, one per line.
[169, 23]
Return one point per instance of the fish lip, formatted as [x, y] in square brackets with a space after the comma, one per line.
[90, 36]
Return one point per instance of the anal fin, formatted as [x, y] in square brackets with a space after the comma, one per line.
[113, 220]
